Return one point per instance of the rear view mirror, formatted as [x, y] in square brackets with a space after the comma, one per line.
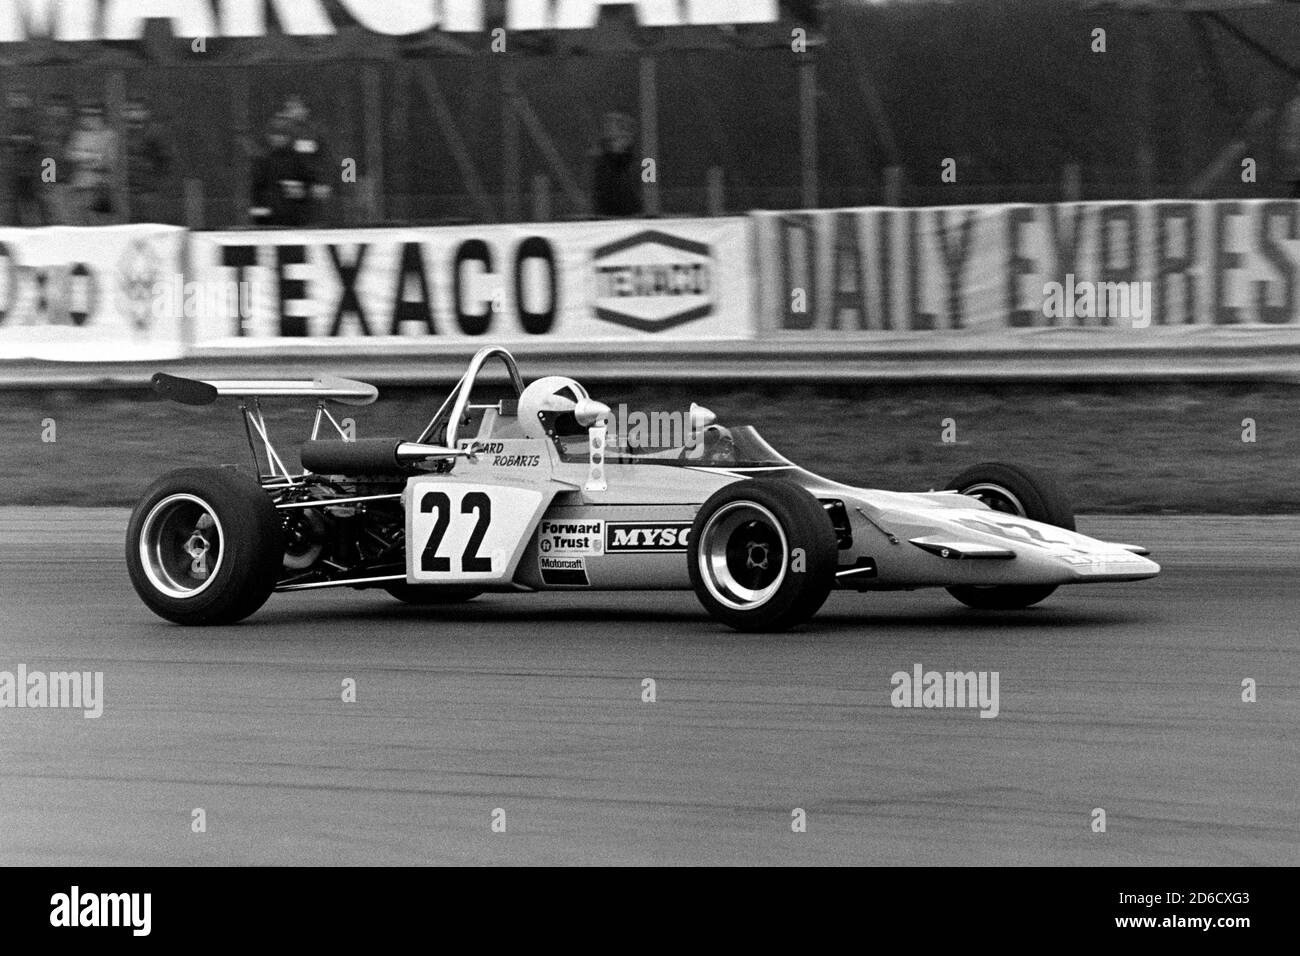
[701, 418]
[588, 411]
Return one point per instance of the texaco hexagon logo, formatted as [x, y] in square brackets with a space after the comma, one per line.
[653, 281]
[137, 272]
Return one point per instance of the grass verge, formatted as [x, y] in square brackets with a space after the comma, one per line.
[1131, 448]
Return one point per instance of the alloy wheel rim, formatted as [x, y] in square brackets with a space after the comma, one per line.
[743, 555]
[996, 497]
[181, 546]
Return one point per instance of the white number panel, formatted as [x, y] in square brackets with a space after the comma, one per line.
[467, 532]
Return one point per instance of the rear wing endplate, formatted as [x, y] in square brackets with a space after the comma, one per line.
[189, 391]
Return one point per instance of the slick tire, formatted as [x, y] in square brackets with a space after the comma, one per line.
[204, 546]
[762, 555]
[1012, 489]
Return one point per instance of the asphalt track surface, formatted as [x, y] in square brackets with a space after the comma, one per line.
[1124, 697]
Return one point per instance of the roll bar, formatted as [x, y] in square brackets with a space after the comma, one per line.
[458, 398]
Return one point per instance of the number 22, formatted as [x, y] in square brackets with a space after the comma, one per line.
[475, 502]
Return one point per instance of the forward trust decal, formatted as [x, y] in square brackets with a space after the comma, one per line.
[568, 538]
[653, 281]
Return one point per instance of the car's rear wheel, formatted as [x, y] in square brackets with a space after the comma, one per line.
[423, 594]
[204, 546]
[762, 555]
[1011, 489]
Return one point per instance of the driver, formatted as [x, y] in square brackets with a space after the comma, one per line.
[715, 446]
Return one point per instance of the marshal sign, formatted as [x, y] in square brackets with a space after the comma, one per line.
[83, 19]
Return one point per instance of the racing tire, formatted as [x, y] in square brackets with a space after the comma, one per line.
[762, 555]
[425, 595]
[1019, 491]
[204, 546]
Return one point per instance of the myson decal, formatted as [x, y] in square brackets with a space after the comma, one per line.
[641, 537]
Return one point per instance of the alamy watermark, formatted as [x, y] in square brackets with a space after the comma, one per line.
[1130, 301]
[173, 297]
[76, 909]
[946, 689]
[638, 429]
[74, 690]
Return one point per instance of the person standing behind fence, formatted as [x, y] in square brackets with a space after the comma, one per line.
[309, 145]
[148, 164]
[283, 180]
[616, 180]
[56, 127]
[23, 163]
[93, 153]
[1289, 142]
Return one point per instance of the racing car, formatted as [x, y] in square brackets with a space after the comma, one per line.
[547, 490]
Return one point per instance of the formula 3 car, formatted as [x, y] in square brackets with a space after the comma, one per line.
[549, 490]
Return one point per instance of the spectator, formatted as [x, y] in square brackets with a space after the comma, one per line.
[149, 163]
[23, 162]
[308, 144]
[93, 153]
[283, 179]
[56, 128]
[1289, 142]
[616, 183]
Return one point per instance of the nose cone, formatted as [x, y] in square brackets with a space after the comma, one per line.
[1115, 566]
[1151, 568]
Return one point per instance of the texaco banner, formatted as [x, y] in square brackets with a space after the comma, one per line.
[72, 294]
[577, 282]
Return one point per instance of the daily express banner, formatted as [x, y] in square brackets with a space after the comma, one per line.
[579, 282]
[1128, 266]
[89, 294]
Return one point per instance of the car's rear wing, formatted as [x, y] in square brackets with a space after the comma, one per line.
[190, 391]
[250, 392]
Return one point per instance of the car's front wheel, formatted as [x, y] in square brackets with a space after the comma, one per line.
[1019, 491]
[204, 546]
[762, 555]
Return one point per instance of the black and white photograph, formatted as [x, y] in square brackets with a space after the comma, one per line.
[651, 433]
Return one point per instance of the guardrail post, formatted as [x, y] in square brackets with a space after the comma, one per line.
[650, 132]
[716, 196]
[1071, 183]
[8, 214]
[241, 197]
[893, 185]
[510, 167]
[1145, 97]
[192, 192]
[541, 198]
[808, 131]
[373, 133]
[186, 334]
[119, 174]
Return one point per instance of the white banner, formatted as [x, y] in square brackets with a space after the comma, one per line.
[1120, 266]
[81, 294]
[575, 282]
[73, 20]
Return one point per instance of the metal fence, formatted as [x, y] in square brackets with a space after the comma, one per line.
[1015, 94]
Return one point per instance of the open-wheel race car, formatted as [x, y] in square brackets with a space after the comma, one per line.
[548, 490]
